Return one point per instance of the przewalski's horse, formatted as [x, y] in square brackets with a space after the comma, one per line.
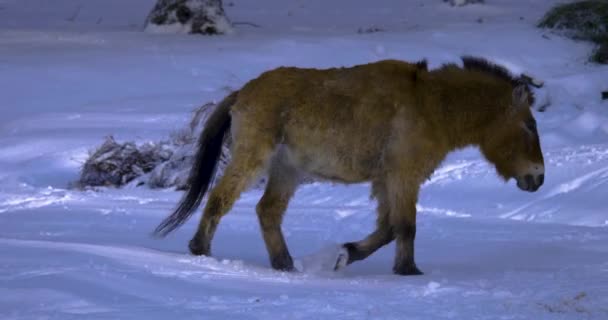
[389, 122]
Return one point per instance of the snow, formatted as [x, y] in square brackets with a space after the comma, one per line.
[75, 71]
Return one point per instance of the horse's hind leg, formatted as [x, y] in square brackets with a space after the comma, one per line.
[380, 237]
[250, 155]
[282, 183]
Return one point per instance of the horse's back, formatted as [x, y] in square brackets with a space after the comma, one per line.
[333, 122]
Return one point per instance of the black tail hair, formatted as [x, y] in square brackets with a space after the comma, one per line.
[203, 168]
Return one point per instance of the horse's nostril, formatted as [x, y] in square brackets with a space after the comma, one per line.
[529, 180]
[541, 179]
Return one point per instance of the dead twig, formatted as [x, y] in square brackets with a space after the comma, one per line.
[246, 23]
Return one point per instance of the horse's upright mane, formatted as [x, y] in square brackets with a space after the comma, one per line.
[485, 66]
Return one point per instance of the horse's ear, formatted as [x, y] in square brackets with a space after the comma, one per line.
[520, 96]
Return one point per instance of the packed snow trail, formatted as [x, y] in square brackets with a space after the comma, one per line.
[76, 71]
[71, 260]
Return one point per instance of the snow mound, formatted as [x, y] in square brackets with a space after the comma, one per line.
[188, 16]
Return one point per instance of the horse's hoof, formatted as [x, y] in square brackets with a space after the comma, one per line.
[198, 249]
[282, 262]
[407, 270]
[342, 258]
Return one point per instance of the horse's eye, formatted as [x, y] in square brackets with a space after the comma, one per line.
[531, 126]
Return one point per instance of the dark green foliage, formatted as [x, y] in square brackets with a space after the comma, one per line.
[582, 20]
[600, 55]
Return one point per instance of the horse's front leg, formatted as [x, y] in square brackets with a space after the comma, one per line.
[403, 197]
[396, 221]
[355, 251]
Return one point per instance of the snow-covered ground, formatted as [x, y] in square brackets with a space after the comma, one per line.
[74, 71]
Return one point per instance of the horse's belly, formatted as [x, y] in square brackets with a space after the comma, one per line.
[341, 143]
[326, 163]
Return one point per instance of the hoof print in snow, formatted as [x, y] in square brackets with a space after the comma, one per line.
[460, 3]
[188, 16]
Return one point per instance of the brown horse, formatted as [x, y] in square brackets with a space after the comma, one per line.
[389, 122]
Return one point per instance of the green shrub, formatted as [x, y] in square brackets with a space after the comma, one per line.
[582, 20]
[600, 55]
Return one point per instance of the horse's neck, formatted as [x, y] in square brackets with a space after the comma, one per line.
[466, 108]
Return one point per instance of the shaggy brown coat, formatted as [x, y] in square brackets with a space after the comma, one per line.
[388, 122]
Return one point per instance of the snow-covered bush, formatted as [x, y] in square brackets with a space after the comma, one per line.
[161, 164]
[116, 164]
[175, 171]
[188, 16]
[582, 20]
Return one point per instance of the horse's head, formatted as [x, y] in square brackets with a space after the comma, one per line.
[513, 144]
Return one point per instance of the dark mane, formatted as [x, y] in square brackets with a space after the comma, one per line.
[483, 65]
[422, 65]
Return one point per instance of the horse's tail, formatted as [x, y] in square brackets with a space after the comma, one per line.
[203, 168]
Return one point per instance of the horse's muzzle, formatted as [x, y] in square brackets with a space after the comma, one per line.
[530, 183]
